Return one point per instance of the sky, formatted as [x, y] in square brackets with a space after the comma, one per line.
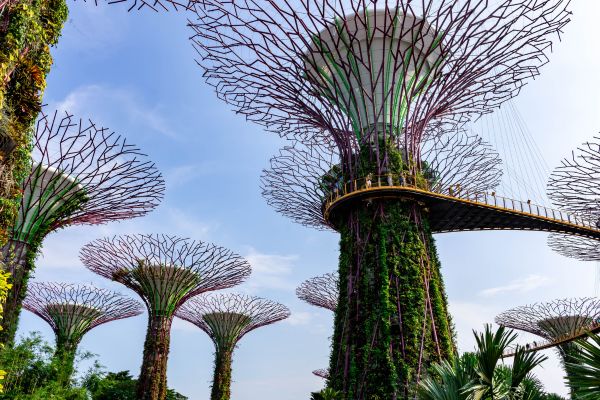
[135, 73]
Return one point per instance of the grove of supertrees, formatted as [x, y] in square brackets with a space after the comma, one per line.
[226, 318]
[80, 173]
[363, 88]
[73, 310]
[559, 322]
[165, 271]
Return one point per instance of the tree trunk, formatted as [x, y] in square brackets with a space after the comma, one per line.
[152, 382]
[64, 358]
[221, 387]
[15, 256]
[392, 320]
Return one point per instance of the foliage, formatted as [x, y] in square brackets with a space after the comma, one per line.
[583, 369]
[400, 323]
[32, 373]
[118, 386]
[327, 394]
[479, 376]
[27, 31]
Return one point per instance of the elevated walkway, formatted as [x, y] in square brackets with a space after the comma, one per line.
[547, 344]
[457, 211]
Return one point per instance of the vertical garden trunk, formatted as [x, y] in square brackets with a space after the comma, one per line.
[221, 388]
[152, 382]
[27, 30]
[64, 359]
[17, 260]
[392, 320]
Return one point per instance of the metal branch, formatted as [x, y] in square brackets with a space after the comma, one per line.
[321, 373]
[72, 310]
[288, 65]
[226, 318]
[154, 5]
[575, 185]
[577, 247]
[321, 291]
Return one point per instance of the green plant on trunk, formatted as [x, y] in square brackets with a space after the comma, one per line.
[392, 321]
[27, 30]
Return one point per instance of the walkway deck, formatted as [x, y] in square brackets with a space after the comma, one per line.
[462, 211]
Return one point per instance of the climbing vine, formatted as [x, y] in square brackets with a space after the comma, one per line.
[392, 320]
[21, 272]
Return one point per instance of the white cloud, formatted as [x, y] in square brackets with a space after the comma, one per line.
[299, 318]
[90, 101]
[269, 271]
[521, 285]
[183, 174]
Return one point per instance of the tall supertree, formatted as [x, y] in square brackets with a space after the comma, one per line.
[80, 174]
[226, 318]
[72, 311]
[320, 291]
[574, 187]
[558, 321]
[165, 271]
[28, 30]
[372, 81]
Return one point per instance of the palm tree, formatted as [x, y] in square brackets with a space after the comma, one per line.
[479, 376]
[583, 371]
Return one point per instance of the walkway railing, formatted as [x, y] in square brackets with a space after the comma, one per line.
[340, 191]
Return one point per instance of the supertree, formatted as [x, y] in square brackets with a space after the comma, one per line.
[559, 322]
[320, 291]
[226, 318]
[165, 271]
[574, 188]
[72, 310]
[80, 174]
[372, 81]
[321, 373]
[28, 29]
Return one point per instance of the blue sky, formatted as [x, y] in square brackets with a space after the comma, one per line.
[135, 73]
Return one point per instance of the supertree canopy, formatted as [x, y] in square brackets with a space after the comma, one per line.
[558, 321]
[302, 177]
[165, 271]
[574, 187]
[72, 311]
[321, 291]
[80, 174]
[321, 373]
[369, 83]
[226, 318]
